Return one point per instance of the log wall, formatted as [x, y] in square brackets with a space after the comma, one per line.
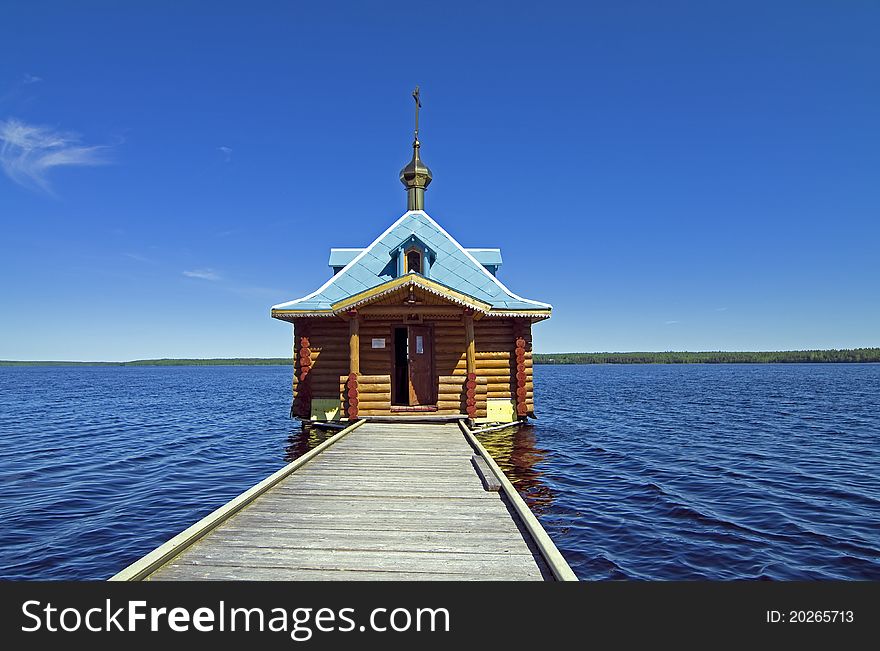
[376, 361]
[365, 395]
[328, 358]
[503, 351]
[452, 395]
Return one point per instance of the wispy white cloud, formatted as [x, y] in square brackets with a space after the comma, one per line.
[227, 153]
[203, 274]
[721, 309]
[672, 322]
[31, 79]
[29, 152]
[138, 257]
[230, 285]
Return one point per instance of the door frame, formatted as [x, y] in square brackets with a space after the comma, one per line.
[409, 326]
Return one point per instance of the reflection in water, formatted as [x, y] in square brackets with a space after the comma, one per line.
[514, 450]
[308, 437]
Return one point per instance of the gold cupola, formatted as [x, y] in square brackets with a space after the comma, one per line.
[416, 176]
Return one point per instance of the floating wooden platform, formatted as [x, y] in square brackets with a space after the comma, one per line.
[388, 501]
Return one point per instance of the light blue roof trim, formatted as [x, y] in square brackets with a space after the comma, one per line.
[341, 257]
[454, 267]
[486, 257]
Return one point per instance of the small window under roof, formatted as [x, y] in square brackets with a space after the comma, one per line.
[413, 261]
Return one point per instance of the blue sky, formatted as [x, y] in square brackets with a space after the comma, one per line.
[671, 176]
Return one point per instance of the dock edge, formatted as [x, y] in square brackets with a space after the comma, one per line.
[553, 557]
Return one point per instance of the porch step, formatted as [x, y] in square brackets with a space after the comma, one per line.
[412, 408]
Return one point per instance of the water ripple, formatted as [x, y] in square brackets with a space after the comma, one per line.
[643, 472]
[706, 472]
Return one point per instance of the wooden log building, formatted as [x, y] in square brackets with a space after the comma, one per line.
[413, 324]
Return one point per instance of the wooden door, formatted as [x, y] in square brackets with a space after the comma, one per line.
[421, 366]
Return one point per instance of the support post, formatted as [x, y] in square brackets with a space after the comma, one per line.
[354, 343]
[469, 342]
[471, 355]
[354, 364]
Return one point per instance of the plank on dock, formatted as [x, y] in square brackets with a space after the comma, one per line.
[387, 501]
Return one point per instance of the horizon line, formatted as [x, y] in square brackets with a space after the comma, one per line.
[267, 359]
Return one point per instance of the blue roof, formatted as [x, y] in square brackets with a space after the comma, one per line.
[454, 267]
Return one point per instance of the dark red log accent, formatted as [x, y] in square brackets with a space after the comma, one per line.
[470, 398]
[519, 379]
[351, 396]
[304, 387]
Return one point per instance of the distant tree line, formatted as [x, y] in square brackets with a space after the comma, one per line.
[714, 357]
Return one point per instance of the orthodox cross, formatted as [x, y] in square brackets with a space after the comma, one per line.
[415, 95]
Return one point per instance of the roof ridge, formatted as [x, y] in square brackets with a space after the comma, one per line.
[494, 279]
[335, 277]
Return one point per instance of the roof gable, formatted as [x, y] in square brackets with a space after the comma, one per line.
[453, 267]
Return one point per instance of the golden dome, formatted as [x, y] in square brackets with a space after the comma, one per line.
[416, 174]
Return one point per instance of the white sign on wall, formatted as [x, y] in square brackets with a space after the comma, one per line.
[378, 343]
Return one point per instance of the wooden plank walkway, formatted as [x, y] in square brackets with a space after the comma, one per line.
[398, 501]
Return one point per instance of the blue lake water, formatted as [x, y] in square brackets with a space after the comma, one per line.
[637, 472]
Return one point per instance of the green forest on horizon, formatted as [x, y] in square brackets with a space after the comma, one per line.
[853, 355]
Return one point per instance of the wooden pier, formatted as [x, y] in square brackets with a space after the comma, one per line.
[377, 501]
